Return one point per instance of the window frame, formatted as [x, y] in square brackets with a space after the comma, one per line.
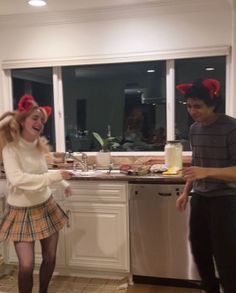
[168, 56]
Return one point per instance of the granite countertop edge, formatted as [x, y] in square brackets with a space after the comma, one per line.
[127, 178]
[134, 179]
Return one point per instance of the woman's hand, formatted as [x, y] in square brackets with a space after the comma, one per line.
[181, 202]
[68, 191]
[66, 175]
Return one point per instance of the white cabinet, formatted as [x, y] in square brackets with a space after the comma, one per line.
[97, 238]
[2, 204]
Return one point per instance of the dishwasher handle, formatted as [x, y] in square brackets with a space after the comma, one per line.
[164, 193]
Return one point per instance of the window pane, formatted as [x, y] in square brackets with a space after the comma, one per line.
[123, 99]
[187, 71]
[37, 82]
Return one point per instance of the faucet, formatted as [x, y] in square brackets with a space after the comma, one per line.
[83, 162]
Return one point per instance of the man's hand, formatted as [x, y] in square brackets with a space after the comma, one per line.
[193, 173]
[181, 202]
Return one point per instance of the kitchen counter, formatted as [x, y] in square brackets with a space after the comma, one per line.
[133, 178]
[116, 176]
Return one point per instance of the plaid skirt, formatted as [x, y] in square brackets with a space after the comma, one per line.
[32, 223]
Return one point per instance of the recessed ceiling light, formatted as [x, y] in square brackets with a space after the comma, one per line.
[209, 68]
[151, 70]
[37, 2]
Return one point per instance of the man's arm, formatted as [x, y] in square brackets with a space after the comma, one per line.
[182, 200]
[193, 173]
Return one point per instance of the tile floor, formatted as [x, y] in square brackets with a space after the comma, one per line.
[61, 284]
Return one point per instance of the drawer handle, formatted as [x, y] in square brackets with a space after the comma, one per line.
[68, 213]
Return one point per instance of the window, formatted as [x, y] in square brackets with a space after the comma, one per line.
[38, 83]
[127, 100]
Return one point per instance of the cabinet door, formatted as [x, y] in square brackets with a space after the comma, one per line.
[3, 188]
[97, 238]
[57, 191]
[2, 205]
[12, 258]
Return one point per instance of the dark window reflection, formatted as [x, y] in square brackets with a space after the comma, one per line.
[187, 71]
[37, 82]
[126, 100]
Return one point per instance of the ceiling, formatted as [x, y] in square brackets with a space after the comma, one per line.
[13, 7]
[9, 7]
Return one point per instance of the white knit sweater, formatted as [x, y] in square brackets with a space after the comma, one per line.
[27, 174]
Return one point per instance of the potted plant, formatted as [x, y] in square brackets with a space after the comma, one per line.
[107, 144]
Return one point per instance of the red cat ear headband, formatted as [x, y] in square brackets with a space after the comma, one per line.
[184, 87]
[212, 85]
[27, 102]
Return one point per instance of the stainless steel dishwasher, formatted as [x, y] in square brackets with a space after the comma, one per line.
[159, 233]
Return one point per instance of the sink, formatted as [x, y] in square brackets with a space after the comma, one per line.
[96, 172]
[101, 172]
[84, 173]
[109, 172]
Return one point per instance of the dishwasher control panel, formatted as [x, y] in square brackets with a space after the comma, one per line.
[164, 190]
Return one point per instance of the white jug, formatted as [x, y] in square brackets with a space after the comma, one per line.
[173, 154]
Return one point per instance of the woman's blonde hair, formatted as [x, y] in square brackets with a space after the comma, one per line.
[10, 129]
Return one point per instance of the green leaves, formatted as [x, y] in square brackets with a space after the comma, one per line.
[106, 143]
[98, 138]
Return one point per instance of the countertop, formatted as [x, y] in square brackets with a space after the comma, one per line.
[116, 176]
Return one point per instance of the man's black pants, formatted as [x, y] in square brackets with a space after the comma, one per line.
[213, 236]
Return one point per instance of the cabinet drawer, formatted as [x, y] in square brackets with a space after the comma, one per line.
[98, 191]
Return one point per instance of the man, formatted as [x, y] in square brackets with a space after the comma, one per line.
[211, 182]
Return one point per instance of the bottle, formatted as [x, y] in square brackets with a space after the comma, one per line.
[173, 154]
[108, 130]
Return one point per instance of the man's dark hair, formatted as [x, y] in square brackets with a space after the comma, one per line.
[199, 91]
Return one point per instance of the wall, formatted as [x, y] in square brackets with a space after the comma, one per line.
[154, 31]
[122, 33]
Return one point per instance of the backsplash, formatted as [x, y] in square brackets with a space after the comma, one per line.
[119, 160]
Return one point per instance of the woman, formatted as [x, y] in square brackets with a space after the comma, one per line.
[31, 211]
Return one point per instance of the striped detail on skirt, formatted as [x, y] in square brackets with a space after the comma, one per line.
[32, 223]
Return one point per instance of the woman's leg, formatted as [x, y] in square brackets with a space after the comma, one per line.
[49, 250]
[25, 254]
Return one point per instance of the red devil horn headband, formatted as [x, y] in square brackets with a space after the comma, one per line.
[27, 102]
[184, 87]
[213, 87]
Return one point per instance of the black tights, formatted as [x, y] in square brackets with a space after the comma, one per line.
[25, 253]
